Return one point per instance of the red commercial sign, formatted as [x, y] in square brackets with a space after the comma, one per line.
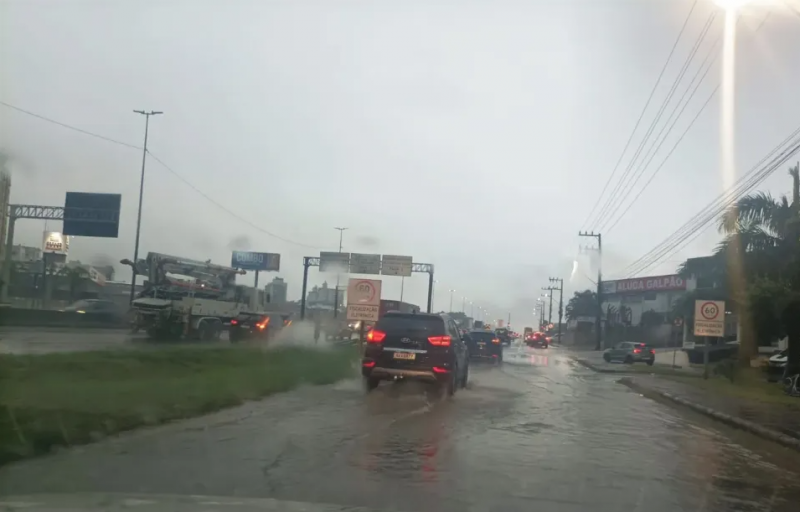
[647, 284]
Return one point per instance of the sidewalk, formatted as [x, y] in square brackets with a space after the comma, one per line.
[594, 360]
[740, 406]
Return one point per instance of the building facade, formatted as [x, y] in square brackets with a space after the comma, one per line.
[323, 297]
[642, 294]
[276, 291]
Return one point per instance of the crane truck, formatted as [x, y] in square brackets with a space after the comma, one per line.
[185, 298]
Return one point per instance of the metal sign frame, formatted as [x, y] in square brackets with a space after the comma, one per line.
[30, 211]
[313, 261]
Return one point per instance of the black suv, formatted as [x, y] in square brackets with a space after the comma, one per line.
[416, 346]
[484, 345]
[503, 334]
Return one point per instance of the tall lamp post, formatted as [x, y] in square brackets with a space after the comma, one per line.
[336, 292]
[146, 115]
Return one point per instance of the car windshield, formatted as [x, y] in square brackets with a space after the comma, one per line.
[257, 260]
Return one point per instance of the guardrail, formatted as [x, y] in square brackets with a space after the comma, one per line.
[22, 317]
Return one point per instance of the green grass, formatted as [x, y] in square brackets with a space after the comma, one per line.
[70, 398]
[749, 384]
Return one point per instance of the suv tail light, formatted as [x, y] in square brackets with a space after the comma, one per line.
[375, 336]
[439, 341]
[234, 322]
[652, 351]
[495, 340]
[637, 350]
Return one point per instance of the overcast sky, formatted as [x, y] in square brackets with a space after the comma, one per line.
[474, 135]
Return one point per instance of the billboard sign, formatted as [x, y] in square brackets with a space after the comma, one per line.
[365, 263]
[87, 214]
[337, 262]
[55, 242]
[396, 265]
[645, 284]
[258, 261]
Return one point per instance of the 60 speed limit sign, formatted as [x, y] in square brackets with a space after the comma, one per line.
[709, 318]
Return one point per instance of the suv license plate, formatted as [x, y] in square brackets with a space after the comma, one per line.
[405, 355]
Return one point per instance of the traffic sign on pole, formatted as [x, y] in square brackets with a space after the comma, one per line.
[363, 299]
[709, 318]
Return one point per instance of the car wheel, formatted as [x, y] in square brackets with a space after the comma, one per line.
[650, 362]
[628, 360]
[606, 358]
[465, 378]
[452, 383]
[370, 383]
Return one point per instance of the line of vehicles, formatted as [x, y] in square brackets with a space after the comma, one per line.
[430, 348]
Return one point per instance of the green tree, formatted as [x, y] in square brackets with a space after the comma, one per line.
[76, 278]
[581, 304]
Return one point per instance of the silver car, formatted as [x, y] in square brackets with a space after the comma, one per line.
[630, 352]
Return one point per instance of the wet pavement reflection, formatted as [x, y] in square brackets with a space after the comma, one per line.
[538, 433]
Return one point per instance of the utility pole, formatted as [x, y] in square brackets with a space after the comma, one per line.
[560, 302]
[464, 304]
[598, 324]
[336, 292]
[134, 267]
[550, 290]
[451, 299]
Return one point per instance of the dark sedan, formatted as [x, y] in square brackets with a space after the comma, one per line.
[484, 345]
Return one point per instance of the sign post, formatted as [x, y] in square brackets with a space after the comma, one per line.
[709, 321]
[363, 303]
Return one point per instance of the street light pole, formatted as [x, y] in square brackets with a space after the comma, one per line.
[141, 195]
[336, 292]
[451, 299]
[598, 323]
[464, 304]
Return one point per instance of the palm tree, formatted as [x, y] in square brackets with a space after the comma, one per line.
[759, 229]
[581, 304]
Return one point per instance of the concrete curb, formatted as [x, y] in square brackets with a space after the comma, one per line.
[733, 421]
[596, 368]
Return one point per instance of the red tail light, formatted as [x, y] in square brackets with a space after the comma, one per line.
[439, 369]
[652, 351]
[496, 340]
[375, 336]
[637, 350]
[368, 364]
[234, 322]
[263, 324]
[439, 341]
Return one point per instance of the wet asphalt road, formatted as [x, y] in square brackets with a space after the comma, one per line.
[540, 434]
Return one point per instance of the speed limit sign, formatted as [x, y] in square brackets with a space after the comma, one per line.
[709, 318]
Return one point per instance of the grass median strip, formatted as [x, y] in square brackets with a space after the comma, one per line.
[62, 399]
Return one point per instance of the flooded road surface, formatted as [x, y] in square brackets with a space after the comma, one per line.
[540, 433]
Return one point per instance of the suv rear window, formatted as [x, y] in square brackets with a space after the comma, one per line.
[481, 335]
[432, 325]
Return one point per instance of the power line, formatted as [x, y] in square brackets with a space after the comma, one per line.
[674, 122]
[658, 169]
[608, 207]
[69, 127]
[659, 140]
[167, 167]
[719, 206]
[641, 115]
